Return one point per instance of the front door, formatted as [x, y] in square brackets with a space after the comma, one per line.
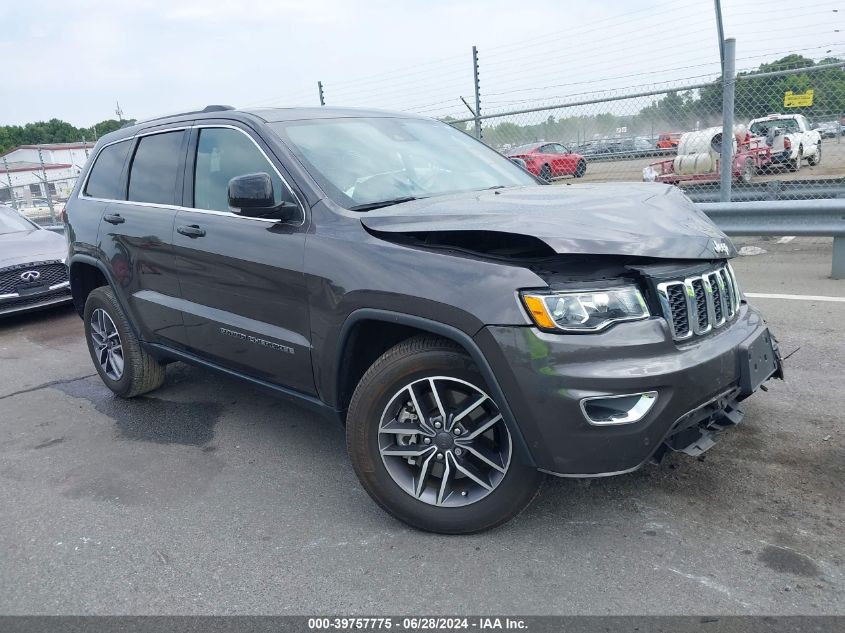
[241, 278]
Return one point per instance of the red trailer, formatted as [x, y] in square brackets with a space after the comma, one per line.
[698, 158]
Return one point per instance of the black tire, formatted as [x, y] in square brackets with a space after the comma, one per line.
[414, 359]
[816, 158]
[140, 372]
[795, 165]
[748, 171]
[580, 168]
[546, 173]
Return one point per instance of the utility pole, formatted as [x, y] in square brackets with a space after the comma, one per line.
[9, 180]
[118, 111]
[721, 32]
[320, 90]
[728, 87]
[46, 186]
[477, 113]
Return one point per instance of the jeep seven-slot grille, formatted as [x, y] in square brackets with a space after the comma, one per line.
[697, 304]
[49, 274]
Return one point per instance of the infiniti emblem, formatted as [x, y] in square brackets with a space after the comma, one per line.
[30, 275]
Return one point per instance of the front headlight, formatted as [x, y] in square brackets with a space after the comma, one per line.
[586, 311]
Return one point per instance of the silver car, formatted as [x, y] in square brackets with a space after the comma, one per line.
[33, 273]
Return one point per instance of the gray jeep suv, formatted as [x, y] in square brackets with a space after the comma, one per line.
[470, 326]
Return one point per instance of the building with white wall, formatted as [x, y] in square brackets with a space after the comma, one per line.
[22, 174]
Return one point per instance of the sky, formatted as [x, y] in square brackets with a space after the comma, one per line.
[73, 60]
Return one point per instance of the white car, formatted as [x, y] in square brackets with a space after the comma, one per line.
[791, 138]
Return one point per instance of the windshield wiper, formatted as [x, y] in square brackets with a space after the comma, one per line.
[369, 206]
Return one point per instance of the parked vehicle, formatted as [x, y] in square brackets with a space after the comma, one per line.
[668, 140]
[830, 129]
[471, 327]
[790, 138]
[594, 149]
[629, 147]
[33, 273]
[699, 158]
[550, 160]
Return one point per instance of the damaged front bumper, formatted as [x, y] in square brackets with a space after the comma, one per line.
[695, 390]
[696, 432]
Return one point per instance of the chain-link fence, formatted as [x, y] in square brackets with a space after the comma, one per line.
[41, 200]
[788, 141]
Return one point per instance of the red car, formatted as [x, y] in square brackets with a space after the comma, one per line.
[550, 160]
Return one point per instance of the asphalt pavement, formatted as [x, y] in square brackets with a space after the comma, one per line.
[209, 496]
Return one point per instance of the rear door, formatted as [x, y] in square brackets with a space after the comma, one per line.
[136, 235]
[241, 278]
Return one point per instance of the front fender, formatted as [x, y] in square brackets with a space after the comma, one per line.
[446, 331]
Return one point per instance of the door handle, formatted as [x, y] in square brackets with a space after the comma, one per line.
[192, 230]
[114, 219]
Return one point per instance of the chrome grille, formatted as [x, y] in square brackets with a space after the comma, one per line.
[50, 274]
[697, 304]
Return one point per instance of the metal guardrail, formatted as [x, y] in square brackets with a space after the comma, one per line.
[772, 190]
[818, 218]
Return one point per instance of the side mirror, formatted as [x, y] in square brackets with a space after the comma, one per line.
[253, 196]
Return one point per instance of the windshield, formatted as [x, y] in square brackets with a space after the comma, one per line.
[11, 222]
[761, 128]
[365, 161]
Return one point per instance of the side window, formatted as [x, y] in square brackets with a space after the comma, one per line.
[104, 180]
[545, 149]
[223, 154]
[155, 167]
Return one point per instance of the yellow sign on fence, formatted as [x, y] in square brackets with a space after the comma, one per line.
[800, 100]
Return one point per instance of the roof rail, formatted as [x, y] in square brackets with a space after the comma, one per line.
[208, 108]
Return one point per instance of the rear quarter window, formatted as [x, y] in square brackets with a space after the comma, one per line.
[104, 180]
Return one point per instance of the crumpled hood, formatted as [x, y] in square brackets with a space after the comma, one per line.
[642, 219]
[31, 246]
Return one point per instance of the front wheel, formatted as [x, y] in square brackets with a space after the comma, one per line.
[580, 169]
[546, 173]
[429, 443]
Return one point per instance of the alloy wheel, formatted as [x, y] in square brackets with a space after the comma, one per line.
[444, 442]
[107, 345]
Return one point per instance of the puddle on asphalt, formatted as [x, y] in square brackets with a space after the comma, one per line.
[150, 419]
[787, 561]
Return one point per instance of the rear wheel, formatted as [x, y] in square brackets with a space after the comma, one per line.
[118, 357]
[580, 168]
[429, 444]
[816, 158]
[795, 164]
[546, 173]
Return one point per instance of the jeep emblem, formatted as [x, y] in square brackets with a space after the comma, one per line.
[720, 247]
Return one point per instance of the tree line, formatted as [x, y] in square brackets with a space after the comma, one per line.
[53, 131]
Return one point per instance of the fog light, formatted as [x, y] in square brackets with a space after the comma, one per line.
[624, 409]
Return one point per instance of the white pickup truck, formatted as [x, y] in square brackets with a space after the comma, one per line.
[790, 138]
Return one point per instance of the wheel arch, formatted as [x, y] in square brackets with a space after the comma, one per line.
[86, 273]
[375, 331]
